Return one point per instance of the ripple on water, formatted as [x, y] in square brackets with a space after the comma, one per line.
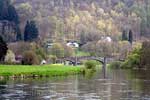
[3, 86]
[39, 87]
[21, 85]
[49, 96]
[126, 91]
[103, 79]
[63, 84]
[90, 96]
[14, 94]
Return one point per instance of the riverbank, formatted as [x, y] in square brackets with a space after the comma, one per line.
[25, 71]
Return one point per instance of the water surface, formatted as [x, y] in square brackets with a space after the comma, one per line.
[118, 85]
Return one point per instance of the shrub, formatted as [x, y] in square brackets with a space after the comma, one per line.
[90, 64]
[116, 64]
[132, 61]
[30, 58]
[133, 58]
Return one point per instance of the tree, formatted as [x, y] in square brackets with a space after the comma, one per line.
[145, 54]
[10, 57]
[57, 50]
[124, 48]
[130, 36]
[124, 36]
[1, 7]
[31, 31]
[26, 31]
[143, 27]
[8, 12]
[30, 58]
[90, 47]
[13, 15]
[68, 51]
[18, 31]
[4, 9]
[104, 49]
[3, 49]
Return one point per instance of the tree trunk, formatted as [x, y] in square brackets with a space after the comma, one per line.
[104, 68]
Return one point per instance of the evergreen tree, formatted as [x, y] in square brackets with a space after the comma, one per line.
[124, 35]
[13, 15]
[1, 8]
[19, 36]
[3, 49]
[8, 12]
[26, 31]
[31, 31]
[4, 9]
[130, 36]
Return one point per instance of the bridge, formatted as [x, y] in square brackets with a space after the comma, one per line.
[78, 60]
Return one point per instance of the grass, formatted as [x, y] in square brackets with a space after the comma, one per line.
[38, 70]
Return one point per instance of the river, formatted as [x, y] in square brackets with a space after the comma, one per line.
[118, 85]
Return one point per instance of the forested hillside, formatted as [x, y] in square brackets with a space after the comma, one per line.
[86, 19]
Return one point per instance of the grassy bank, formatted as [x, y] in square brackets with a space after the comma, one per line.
[38, 70]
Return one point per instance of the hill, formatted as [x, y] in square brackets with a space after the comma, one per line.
[79, 19]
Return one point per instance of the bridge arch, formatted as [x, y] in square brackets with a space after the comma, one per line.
[72, 61]
[75, 60]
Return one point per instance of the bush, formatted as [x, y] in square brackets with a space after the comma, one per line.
[133, 61]
[90, 64]
[116, 64]
[30, 58]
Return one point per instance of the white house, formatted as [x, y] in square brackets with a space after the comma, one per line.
[73, 44]
[43, 62]
[108, 39]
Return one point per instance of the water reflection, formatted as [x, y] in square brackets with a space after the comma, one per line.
[119, 85]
